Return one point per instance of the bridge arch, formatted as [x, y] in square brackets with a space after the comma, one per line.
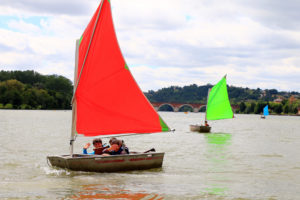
[177, 106]
[202, 108]
[187, 105]
[166, 104]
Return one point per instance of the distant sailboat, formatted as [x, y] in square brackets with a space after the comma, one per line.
[107, 101]
[266, 112]
[217, 107]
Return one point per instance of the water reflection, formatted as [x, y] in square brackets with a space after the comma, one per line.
[215, 190]
[218, 148]
[217, 154]
[218, 138]
[103, 192]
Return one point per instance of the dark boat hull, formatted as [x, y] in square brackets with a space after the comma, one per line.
[114, 163]
[200, 129]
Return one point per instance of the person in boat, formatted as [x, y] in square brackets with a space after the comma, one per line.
[98, 147]
[124, 148]
[205, 123]
[114, 149]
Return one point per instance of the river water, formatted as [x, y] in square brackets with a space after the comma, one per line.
[243, 158]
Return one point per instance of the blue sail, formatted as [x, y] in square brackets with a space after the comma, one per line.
[266, 110]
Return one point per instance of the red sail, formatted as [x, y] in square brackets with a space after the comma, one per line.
[109, 101]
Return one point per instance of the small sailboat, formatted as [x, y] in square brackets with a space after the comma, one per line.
[217, 107]
[266, 112]
[107, 101]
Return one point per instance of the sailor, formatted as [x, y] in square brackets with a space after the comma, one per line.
[114, 149]
[124, 149]
[98, 147]
[206, 124]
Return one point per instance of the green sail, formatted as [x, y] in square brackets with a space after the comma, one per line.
[218, 105]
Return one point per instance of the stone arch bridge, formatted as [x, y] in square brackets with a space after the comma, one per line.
[176, 106]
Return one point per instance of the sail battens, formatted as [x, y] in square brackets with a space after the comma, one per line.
[108, 99]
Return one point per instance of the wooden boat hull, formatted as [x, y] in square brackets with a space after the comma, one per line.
[200, 129]
[114, 163]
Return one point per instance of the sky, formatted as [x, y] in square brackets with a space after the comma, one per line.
[165, 43]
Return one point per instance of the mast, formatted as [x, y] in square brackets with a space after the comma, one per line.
[76, 82]
[73, 127]
[206, 104]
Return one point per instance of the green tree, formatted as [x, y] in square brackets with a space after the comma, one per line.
[242, 107]
[295, 110]
[286, 108]
[31, 98]
[8, 106]
[278, 108]
[59, 84]
[250, 108]
[11, 92]
[259, 107]
[29, 89]
[44, 99]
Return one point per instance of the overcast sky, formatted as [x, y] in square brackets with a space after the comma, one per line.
[170, 42]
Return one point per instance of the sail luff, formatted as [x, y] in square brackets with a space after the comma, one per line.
[73, 128]
[208, 91]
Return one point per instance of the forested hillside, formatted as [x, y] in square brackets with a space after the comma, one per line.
[249, 101]
[198, 94]
[31, 90]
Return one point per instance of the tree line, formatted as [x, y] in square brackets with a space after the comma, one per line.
[249, 101]
[285, 107]
[198, 94]
[31, 90]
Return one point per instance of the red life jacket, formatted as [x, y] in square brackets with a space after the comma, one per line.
[99, 151]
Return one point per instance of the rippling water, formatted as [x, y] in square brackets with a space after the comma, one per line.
[244, 158]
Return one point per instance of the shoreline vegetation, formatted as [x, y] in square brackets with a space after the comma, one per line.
[32, 91]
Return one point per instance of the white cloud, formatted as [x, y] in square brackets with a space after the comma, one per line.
[53, 7]
[23, 27]
[164, 42]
